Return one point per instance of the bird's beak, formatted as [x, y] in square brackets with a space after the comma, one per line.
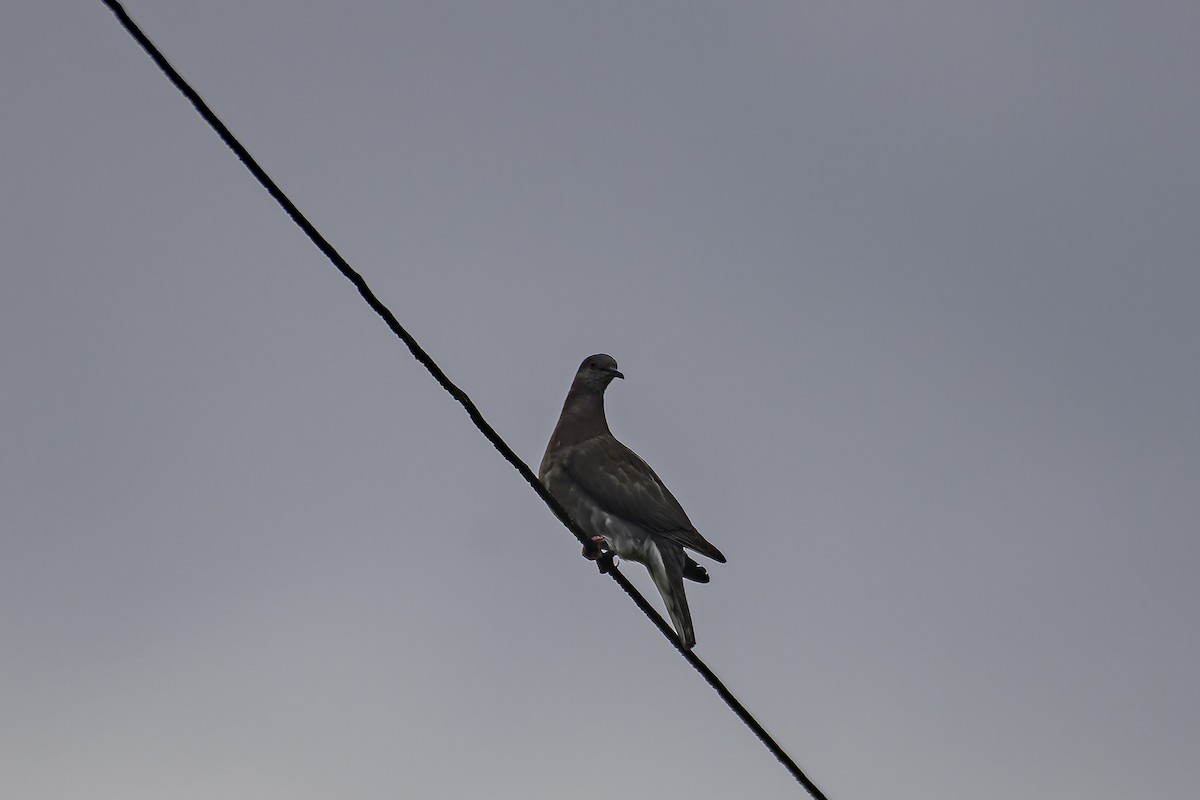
[616, 374]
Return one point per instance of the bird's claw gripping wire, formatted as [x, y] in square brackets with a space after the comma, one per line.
[595, 550]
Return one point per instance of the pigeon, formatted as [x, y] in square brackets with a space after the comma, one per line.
[615, 496]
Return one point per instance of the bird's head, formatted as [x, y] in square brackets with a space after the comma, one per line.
[596, 372]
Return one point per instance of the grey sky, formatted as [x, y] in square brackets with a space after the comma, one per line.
[905, 295]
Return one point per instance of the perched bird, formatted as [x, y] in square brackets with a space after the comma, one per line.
[614, 495]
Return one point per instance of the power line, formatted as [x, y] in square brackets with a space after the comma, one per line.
[458, 394]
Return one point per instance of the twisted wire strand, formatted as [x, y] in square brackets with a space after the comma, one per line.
[454, 391]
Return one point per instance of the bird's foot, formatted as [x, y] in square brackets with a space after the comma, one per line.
[595, 551]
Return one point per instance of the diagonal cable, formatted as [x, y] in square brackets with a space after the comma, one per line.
[458, 394]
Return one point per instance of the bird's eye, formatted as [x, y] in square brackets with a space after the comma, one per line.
[591, 365]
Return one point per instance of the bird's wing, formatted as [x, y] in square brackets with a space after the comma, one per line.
[623, 484]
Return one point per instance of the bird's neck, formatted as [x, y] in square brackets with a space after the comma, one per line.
[582, 418]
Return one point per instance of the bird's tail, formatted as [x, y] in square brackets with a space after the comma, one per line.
[667, 563]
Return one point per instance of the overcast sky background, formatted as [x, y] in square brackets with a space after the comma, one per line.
[906, 297]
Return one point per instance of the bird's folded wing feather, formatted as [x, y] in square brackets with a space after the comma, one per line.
[623, 484]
